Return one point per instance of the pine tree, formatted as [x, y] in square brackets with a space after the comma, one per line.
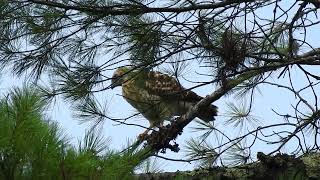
[238, 46]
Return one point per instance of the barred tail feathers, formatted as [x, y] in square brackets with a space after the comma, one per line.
[208, 114]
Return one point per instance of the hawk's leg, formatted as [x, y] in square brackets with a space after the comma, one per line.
[143, 135]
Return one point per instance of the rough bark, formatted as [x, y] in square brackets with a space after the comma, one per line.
[280, 166]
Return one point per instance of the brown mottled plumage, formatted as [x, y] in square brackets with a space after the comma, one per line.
[158, 96]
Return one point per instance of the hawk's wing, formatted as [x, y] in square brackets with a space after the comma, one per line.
[166, 86]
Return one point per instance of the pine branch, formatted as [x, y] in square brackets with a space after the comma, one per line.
[161, 139]
[136, 9]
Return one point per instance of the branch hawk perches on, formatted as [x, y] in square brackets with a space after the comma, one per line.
[158, 96]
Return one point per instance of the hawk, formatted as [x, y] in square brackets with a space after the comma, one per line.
[157, 96]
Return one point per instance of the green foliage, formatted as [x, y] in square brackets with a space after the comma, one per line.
[237, 154]
[205, 127]
[201, 151]
[150, 165]
[76, 82]
[33, 147]
[240, 115]
[30, 145]
[144, 38]
[278, 41]
[89, 110]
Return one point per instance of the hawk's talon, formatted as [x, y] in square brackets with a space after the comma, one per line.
[142, 137]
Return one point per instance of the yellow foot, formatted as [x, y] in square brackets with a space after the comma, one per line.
[142, 136]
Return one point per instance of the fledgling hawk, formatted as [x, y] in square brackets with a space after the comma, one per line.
[158, 96]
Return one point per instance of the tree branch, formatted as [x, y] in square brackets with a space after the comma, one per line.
[161, 139]
[136, 9]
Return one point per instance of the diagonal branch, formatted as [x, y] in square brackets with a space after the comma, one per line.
[161, 139]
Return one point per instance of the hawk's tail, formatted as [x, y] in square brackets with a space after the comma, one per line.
[208, 113]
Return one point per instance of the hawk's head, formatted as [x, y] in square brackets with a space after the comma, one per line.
[118, 77]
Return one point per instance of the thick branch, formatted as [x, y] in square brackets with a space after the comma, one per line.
[280, 166]
[160, 139]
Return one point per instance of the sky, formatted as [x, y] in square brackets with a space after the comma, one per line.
[271, 97]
